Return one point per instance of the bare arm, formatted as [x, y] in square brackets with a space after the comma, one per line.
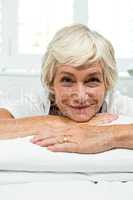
[86, 138]
[103, 138]
[123, 136]
[93, 138]
[12, 128]
[5, 114]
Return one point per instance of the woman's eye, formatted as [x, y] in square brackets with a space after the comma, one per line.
[93, 81]
[66, 80]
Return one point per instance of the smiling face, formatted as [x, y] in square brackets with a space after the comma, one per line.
[79, 91]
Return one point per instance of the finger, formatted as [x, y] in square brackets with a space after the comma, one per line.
[49, 141]
[110, 118]
[38, 138]
[46, 142]
[65, 147]
[116, 116]
[106, 115]
[52, 140]
[107, 118]
[49, 134]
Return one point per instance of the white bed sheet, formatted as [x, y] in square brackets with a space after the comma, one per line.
[24, 173]
[20, 154]
[18, 177]
[66, 190]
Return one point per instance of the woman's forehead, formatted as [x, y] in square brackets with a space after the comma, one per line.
[92, 68]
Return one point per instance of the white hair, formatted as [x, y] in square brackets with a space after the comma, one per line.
[77, 45]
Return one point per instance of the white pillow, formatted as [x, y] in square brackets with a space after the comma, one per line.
[20, 154]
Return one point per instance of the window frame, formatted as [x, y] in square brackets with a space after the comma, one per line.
[10, 57]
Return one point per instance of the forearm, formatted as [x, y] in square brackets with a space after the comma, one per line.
[116, 136]
[103, 138]
[123, 136]
[86, 138]
[11, 128]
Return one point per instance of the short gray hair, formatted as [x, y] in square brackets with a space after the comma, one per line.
[77, 45]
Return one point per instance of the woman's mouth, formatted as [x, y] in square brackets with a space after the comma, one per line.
[79, 109]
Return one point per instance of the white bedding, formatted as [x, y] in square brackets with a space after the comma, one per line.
[67, 190]
[21, 161]
[22, 155]
[30, 172]
[13, 177]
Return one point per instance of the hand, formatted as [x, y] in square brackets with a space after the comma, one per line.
[102, 118]
[94, 139]
[54, 125]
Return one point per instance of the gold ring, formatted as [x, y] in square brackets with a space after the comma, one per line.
[65, 139]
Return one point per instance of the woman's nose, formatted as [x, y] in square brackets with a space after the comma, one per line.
[80, 94]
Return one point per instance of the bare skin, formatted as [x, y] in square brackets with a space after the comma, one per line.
[13, 128]
[86, 138]
[83, 137]
[79, 92]
[79, 95]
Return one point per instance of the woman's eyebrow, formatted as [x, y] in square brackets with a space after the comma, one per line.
[99, 74]
[68, 73]
[89, 75]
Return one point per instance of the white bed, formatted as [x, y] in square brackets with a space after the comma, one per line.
[28, 171]
[64, 190]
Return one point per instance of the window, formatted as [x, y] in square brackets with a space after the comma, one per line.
[114, 19]
[38, 21]
[27, 27]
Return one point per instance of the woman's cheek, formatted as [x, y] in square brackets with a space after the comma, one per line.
[62, 96]
[100, 96]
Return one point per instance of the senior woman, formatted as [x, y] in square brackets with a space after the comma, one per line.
[79, 70]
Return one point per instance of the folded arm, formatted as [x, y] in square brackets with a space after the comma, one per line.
[82, 137]
[86, 138]
[21, 127]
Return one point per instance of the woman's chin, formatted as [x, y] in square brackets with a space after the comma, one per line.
[80, 118]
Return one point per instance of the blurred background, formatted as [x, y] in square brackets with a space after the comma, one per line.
[26, 27]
